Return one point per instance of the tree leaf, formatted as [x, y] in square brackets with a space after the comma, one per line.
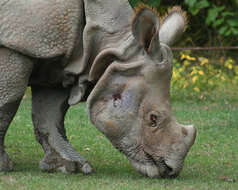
[218, 22]
[134, 3]
[232, 22]
[190, 3]
[222, 30]
[153, 3]
[227, 13]
[212, 15]
[228, 33]
[195, 7]
[203, 4]
[194, 10]
[234, 31]
[221, 8]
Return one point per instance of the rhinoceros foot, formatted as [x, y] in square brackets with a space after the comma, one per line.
[53, 162]
[6, 163]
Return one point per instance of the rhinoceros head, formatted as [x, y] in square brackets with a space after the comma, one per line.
[130, 103]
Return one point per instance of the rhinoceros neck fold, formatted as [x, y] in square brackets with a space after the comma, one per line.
[107, 27]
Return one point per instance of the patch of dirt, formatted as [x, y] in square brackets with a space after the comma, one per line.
[227, 179]
[7, 179]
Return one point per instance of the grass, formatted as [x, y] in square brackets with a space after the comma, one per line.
[211, 164]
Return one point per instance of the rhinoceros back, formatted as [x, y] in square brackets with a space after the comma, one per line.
[40, 28]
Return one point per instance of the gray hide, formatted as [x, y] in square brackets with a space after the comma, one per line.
[69, 50]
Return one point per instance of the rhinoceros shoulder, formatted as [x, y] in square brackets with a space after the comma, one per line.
[41, 29]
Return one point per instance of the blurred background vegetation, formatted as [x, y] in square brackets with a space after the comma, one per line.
[204, 74]
[210, 23]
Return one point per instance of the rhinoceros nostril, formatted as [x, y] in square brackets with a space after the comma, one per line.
[154, 120]
[167, 170]
[153, 117]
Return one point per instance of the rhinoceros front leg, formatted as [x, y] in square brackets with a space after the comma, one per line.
[49, 106]
[15, 70]
[7, 112]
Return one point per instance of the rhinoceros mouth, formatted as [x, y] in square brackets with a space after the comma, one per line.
[165, 170]
[145, 163]
[154, 167]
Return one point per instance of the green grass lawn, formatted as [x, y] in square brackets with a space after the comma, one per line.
[211, 164]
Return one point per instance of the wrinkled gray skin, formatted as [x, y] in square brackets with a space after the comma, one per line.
[70, 51]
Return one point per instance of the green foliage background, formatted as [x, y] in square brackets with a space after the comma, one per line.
[211, 23]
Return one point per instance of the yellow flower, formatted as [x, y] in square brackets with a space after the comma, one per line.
[196, 89]
[182, 56]
[175, 75]
[203, 61]
[187, 63]
[236, 70]
[190, 58]
[194, 70]
[185, 85]
[211, 82]
[181, 69]
[229, 66]
[200, 72]
[229, 60]
[228, 63]
[223, 78]
[194, 79]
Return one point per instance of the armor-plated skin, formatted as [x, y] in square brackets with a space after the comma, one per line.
[72, 51]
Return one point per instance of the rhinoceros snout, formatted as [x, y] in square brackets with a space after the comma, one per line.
[190, 133]
[172, 166]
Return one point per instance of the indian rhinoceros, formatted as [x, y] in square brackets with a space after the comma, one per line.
[77, 50]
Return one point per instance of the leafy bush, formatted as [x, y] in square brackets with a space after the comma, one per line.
[210, 22]
[153, 3]
[197, 77]
[218, 21]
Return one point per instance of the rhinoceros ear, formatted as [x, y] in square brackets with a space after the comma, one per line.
[145, 26]
[173, 26]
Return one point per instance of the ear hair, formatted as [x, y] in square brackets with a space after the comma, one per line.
[175, 9]
[145, 25]
[141, 7]
[173, 26]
